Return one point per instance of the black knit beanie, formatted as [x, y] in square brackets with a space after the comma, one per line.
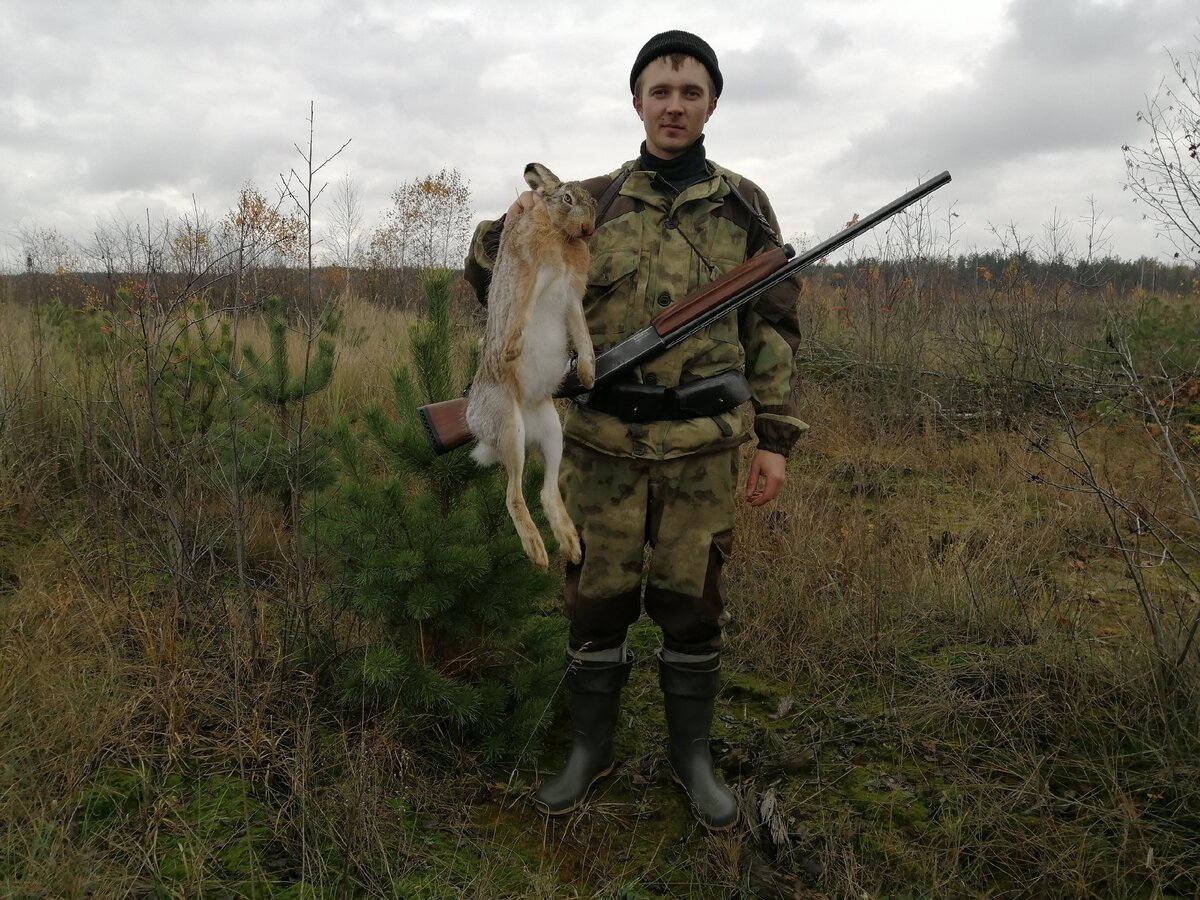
[677, 42]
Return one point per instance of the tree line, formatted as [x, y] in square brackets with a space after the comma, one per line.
[258, 247]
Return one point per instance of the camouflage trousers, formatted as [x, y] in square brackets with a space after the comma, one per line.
[682, 509]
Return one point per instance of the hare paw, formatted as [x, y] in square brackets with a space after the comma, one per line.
[512, 349]
[571, 549]
[536, 551]
[586, 369]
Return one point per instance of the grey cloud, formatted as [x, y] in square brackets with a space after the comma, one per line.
[1071, 75]
[1087, 32]
[129, 104]
[828, 38]
[766, 73]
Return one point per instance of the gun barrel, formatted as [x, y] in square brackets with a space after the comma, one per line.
[866, 223]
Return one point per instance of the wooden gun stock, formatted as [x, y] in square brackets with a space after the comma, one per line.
[719, 290]
[446, 424]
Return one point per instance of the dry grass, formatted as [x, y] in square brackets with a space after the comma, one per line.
[935, 593]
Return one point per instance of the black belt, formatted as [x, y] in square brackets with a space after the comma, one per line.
[652, 403]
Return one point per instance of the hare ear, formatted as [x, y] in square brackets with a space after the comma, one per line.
[541, 179]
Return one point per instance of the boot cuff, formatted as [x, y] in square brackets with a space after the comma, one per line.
[597, 677]
[690, 680]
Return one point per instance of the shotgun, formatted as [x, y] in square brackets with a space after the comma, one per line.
[446, 424]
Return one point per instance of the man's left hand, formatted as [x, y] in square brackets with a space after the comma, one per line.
[768, 471]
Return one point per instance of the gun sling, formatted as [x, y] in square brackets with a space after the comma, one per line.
[704, 397]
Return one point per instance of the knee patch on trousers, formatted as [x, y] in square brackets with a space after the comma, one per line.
[694, 625]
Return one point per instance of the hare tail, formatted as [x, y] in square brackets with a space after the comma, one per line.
[484, 454]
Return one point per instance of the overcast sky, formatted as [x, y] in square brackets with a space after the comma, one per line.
[833, 106]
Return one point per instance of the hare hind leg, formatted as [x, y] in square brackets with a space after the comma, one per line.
[510, 448]
[545, 431]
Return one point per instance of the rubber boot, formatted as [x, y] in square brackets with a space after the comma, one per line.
[690, 696]
[594, 698]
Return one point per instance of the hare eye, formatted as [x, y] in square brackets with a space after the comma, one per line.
[569, 199]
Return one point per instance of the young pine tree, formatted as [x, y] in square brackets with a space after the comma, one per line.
[421, 546]
[280, 454]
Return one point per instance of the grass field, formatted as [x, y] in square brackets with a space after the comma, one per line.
[960, 661]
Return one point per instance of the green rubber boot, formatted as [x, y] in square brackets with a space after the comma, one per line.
[594, 698]
[690, 696]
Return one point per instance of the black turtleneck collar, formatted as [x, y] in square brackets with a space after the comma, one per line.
[681, 172]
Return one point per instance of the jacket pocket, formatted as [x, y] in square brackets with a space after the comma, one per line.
[612, 280]
[724, 329]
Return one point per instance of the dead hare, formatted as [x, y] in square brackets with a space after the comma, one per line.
[534, 310]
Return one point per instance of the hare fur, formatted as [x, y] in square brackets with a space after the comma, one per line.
[534, 308]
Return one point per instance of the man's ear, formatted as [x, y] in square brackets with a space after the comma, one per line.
[712, 105]
[637, 105]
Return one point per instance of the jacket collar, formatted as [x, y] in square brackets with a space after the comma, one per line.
[652, 190]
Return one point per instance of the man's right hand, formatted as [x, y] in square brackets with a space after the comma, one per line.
[525, 201]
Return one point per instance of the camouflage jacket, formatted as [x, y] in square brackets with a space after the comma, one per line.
[652, 248]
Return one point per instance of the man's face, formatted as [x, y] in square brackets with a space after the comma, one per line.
[673, 105]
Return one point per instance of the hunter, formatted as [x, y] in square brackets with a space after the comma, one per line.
[635, 471]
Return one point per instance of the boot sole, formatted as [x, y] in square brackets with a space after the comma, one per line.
[555, 813]
[714, 829]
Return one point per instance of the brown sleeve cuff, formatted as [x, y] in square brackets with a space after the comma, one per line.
[777, 430]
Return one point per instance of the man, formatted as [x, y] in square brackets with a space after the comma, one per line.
[654, 460]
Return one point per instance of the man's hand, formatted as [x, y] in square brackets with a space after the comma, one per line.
[768, 471]
[525, 201]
